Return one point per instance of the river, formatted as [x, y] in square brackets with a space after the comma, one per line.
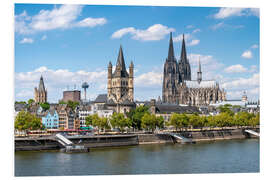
[227, 156]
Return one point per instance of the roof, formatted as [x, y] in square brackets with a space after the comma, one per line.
[202, 84]
[41, 86]
[174, 108]
[101, 98]
[232, 102]
[20, 107]
[120, 69]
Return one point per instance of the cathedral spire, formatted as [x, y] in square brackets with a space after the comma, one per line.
[183, 52]
[171, 51]
[41, 86]
[120, 60]
[199, 73]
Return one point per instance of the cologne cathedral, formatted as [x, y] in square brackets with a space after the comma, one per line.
[178, 88]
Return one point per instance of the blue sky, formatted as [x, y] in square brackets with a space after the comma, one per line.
[70, 44]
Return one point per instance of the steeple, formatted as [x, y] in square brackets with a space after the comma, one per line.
[183, 52]
[199, 73]
[171, 51]
[120, 60]
[41, 86]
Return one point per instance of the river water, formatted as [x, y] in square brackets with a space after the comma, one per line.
[228, 156]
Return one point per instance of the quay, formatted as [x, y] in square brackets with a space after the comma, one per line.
[98, 141]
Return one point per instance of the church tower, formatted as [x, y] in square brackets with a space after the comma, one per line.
[199, 73]
[120, 82]
[170, 76]
[184, 66]
[40, 92]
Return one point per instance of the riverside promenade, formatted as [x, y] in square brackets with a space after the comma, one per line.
[96, 141]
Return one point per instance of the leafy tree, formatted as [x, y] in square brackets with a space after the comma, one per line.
[160, 122]
[149, 121]
[136, 116]
[26, 121]
[101, 123]
[30, 101]
[176, 121]
[20, 102]
[194, 120]
[89, 120]
[119, 120]
[45, 106]
[72, 104]
[62, 102]
[226, 109]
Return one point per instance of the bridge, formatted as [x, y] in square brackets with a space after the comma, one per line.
[252, 132]
[63, 140]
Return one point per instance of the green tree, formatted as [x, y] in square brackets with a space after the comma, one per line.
[45, 106]
[136, 116]
[101, 123]
[26, 121]
[89, 120]
[160, 122]
[30, 101]
[175, 121]
[72, 104]
[62, 102]
[149, 121]
[119, 120]
[20, 102]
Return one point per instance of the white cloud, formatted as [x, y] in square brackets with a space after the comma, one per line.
[247, 54]
[229, 12]
[193, 42]
[238, 68]
[241, 83]
[217, 26]
[43, 37]
[190, 26]
[253, 69]
[26, 40]
[196, 30]
[62, 17]
[149, 79]
[180, 37]
[255, 46]
[152, 33]
[91, 22]
[57, 80]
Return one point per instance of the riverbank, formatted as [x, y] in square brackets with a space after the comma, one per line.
[50, 143]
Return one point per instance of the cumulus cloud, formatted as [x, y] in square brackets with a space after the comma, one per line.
[91, 22]
[193, 42]
[239, 83]
[149, 79]
[152, 33]
[238, 68]
[196, 30]
[62, 17]
[27, 41]
[247, 54]
[230, 12]
[255, 46]
[217, 26]
[190, 40]
[57, 80]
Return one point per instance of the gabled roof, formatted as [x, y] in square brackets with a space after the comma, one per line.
[101, 98]
[173, 108]
[120, 69]
[202, 84]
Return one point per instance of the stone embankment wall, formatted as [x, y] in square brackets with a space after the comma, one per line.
[128, 140]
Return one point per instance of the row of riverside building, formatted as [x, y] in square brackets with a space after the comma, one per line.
[180, 94]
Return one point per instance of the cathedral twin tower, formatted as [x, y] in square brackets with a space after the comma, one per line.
[178, 88]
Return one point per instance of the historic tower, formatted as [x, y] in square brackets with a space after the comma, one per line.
[199, 73]
[184, 66]
[40, 92]
[120, 82]
[170, 76]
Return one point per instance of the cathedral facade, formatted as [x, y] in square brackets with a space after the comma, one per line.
[120, 88]
[178, 88]
[40, 92]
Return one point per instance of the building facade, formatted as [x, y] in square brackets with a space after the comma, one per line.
[178, 88]
[120, 88]
[51, 119]
[40, 92]
[73, 95]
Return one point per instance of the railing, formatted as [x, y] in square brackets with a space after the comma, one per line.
[63, 140]
[252, 132]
